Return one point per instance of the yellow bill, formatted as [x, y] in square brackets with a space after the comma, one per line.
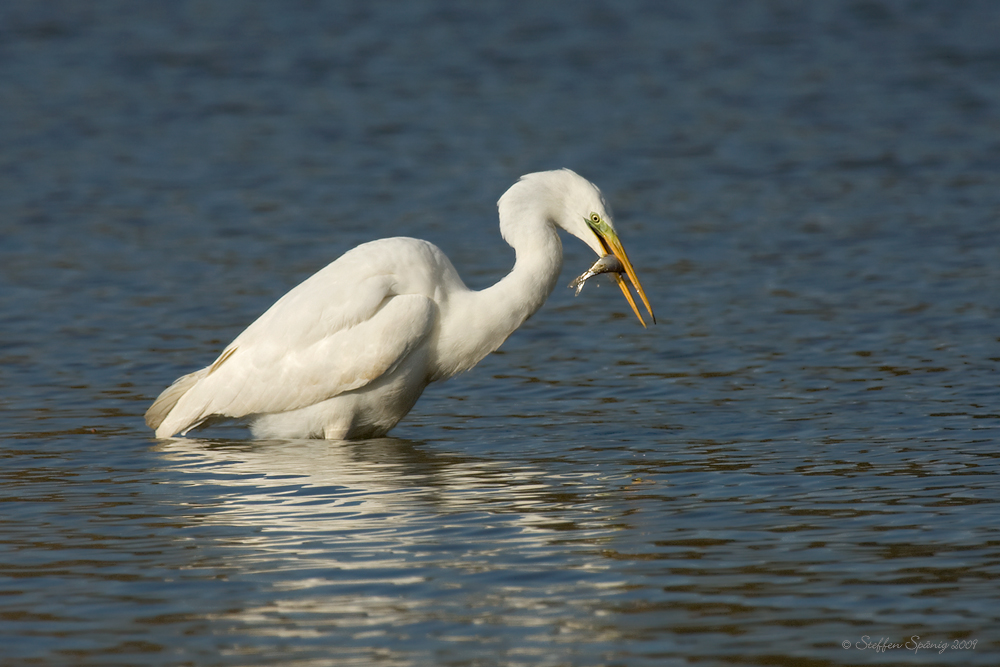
[609, 241]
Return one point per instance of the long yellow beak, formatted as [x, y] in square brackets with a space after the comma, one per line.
[609, 241]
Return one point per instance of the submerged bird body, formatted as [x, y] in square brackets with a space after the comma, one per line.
[347, 353]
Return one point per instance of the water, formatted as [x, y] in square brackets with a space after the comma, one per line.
[802, 453]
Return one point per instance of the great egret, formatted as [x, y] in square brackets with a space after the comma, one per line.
[346, 354]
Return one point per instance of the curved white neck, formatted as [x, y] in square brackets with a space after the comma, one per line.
[537, 264]
[485, 319]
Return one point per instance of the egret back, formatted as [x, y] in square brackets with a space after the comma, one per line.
[348, 325]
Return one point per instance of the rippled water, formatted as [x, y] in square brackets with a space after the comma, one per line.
[802, 453]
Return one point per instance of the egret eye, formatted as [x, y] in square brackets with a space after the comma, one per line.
[595, 218]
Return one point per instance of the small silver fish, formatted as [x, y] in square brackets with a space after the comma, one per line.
[606, 264]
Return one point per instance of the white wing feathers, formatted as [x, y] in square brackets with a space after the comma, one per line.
[332, 334]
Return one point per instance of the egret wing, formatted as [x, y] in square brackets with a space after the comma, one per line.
[316, 342]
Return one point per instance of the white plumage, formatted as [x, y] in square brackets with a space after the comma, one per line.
[347, 353]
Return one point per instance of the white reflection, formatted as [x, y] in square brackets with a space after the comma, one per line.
[314, 486]
[376, 534]
[290, 489]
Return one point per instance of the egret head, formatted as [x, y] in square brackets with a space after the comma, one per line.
[575, 204]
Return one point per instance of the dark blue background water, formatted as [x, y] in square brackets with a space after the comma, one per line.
[802, 453]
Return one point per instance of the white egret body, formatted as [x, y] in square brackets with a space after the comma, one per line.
[346, 354]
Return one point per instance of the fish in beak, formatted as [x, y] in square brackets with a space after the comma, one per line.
[608, 239]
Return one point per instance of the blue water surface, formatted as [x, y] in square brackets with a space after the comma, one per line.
[798, 465]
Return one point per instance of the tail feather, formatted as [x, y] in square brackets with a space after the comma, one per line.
[167, 401]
